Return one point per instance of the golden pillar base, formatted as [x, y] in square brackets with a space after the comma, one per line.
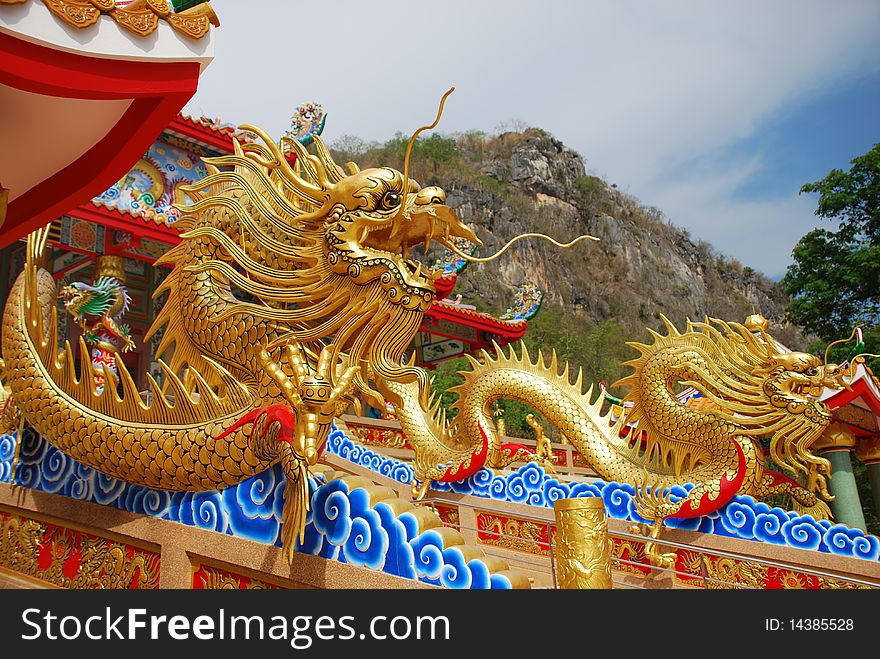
[583, 549]
[110, 266]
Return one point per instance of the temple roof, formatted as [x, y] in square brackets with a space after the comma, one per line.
[137, 17]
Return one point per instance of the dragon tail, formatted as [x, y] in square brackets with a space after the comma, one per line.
[169, 442]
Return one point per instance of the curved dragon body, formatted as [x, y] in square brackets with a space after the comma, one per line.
[291, 294]
[595, 435]
[158, 445]
[304, 262]
[660, 442]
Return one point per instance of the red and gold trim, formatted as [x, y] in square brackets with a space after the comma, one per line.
[692, 568]
[514, 533]
[448, 515]
[66, 557]
[722, 572]
[384, 437]
[209, 577]
[214, 576]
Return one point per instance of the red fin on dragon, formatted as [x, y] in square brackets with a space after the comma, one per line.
[291, 295]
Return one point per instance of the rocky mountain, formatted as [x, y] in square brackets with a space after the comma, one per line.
[642, 265]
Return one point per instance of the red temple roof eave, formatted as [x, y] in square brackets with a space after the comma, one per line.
[193, 129]
[444, 286]
[155, 91]
[862, 386]
[511, 330]
[140, 225]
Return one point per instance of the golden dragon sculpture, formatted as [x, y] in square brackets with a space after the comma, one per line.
[761, 392]
[292, 295]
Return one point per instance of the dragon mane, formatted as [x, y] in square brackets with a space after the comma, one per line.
[270, 221]
[96, 299]
[732, 371]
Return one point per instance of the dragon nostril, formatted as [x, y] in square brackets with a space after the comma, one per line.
[431, 195]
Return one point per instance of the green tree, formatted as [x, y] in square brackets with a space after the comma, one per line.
[835, 278]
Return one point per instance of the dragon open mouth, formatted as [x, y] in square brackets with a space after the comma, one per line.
[416, 229]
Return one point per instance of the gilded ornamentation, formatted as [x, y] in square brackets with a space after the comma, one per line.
[448, 515]
[207, 577]
[629, 556]
[388, 438]
[320, 255]
[513, 533]
[583, 548]
[543, 447]
[140, 17]
[867, 450]
[141, 20]
[292, 295]
[731, 573]
[717, 449]
[837, 437]
[723, 573]
[194, 22]
[839, 584]
[792, 581]
[77, 13]
[72, 559]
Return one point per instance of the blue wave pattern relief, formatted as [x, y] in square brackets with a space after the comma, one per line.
[743, 517]
[341, 525]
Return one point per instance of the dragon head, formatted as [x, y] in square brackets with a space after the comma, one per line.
[81, 300]
[757, 388]
[313, 252]
[106, 295]
[376, 218]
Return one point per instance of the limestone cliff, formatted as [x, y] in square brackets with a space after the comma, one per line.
[643, 265]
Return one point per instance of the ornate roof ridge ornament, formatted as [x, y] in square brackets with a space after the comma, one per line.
[140, 17]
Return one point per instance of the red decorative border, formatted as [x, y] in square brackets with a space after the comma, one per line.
[197, 131]
[384, 437]
[71, 558]
[561, 457]
[449, 515]
[211, 577]
[514, 533]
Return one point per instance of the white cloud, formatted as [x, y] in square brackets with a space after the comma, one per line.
[642, 89]
[759, 233]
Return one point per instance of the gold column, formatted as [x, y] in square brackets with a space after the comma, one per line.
[110, 266]
[583, 551]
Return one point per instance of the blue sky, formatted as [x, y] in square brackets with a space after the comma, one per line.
[803, 142]
[714, 112]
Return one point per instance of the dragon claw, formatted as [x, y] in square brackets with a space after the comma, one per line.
[419, 489]
[652, 500]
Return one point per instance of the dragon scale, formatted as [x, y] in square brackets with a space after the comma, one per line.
[162, 446]
[595, 435]
[291, 296]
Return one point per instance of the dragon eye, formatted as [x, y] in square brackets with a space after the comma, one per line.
[390, 200]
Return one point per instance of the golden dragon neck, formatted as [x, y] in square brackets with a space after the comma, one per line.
[673, 434]
[456, 450]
